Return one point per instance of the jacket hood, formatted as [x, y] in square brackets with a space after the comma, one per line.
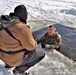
[11, 21]
[21, 12]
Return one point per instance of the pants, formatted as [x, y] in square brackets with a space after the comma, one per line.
[30, 60]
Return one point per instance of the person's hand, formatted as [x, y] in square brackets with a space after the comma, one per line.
[47, 46]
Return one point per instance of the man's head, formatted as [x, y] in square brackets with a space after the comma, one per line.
[21, 12]
[51, 29]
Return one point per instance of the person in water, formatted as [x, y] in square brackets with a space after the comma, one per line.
[51, 39]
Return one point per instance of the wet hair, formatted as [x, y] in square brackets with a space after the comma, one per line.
[51, 26]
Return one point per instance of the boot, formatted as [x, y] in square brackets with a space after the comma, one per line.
[7, 66]
[17, 72]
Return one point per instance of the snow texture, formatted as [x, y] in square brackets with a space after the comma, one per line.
[42, 13]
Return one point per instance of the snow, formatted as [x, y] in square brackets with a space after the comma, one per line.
[42, 13]
[51, 11]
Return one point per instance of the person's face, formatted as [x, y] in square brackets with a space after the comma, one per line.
[51, 30]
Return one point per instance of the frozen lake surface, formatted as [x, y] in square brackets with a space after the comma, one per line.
[42, 13]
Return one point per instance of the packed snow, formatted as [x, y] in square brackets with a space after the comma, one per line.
[42, 13]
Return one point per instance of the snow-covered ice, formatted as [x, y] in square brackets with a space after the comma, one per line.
[42, 13]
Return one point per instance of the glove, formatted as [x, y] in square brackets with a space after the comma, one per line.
[47, 46]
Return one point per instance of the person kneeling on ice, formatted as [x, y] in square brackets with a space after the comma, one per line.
[17, 45]
[51, 39]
